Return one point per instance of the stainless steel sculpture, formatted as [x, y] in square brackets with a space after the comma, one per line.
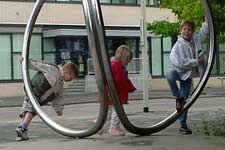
[97, 43]
[170, 119]
[99, 77]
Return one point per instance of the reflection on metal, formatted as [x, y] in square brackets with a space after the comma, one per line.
[99, 77]
[96, 39]
[171, 118]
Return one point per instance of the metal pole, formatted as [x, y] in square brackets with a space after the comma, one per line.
[145, 63]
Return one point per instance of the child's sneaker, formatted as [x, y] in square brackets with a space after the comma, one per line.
[185, 130]
[21, 135]
[100, 132]
[116, 132]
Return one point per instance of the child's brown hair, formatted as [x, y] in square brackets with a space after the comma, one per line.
[188, 23]
[123, 53]
[71, 68]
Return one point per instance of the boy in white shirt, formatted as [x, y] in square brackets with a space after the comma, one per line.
[185, 56]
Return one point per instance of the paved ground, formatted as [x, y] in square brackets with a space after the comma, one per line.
[71, 98]
[81, 110]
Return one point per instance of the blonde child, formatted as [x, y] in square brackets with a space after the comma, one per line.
[124, 86]
[47, 85]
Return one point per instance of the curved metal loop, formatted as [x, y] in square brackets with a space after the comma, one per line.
[173, 117]
[99, 75]
[96, 36]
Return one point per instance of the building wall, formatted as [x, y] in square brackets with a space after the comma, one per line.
[11, 89]
[72, 14]
[13, 29]
[14, 17]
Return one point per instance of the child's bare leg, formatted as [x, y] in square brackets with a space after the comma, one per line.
[26, 120]
[22, 129]
[100, 132]
[115, 125]
[28, 117]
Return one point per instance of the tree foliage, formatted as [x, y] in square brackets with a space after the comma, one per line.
[193, 10]
[165, 28]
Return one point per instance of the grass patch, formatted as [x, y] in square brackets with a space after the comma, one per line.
[212, 126]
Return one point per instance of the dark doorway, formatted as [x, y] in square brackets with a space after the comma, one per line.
[72, 49]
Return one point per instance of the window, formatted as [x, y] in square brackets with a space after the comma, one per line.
[17, 49]
[122, 2]
[5, 57]
[63, 0]
[151, 2]
[110, 47]
[132, 44]
[131, 1]
[167, 46]
[156, 56]
[35, 47]
[49, 50]
[105, 1]
[222, 58]
[134, 65]
[35, 52]
[116, 1]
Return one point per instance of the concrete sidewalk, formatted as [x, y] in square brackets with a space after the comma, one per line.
[71, 98]
[81, 106]
[81, 116]
[163, 141]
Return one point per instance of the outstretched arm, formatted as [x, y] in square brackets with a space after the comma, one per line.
[57, 105]
[204, 30]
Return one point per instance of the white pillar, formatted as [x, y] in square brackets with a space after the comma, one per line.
[145, 60]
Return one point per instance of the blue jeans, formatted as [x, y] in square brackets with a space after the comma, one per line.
[184, 91]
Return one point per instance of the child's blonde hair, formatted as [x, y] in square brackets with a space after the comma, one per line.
[188, 23]
[123, 54]
[71, 68]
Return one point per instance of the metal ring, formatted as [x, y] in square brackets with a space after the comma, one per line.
[173, 117]
[98, 71]
[94, 22]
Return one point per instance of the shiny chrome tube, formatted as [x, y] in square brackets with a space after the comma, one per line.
[99, 76]
[96, 39]
[173, 117]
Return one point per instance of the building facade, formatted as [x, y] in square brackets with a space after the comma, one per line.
[59, 35]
